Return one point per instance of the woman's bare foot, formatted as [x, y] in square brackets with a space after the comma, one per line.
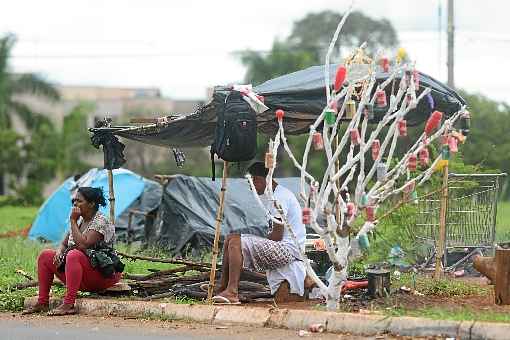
[63, 309]
[38, 308]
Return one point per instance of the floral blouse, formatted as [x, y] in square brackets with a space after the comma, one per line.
[98, 223]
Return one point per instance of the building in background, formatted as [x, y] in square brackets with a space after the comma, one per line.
[114, 102]
[120, 104]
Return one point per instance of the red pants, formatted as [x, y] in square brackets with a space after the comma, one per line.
[78, 275]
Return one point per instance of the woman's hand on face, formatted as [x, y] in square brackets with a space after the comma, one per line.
[75, 214]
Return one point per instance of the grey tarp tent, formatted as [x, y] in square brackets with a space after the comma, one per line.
[143, 208]
[187, 214]
[301, 94]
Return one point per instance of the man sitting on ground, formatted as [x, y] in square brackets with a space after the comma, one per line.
[277, 254]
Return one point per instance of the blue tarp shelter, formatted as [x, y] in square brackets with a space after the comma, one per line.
[52, 221]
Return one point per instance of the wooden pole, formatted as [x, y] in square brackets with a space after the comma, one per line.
[111, 197]
[502, 284]
[442, 225]
[219, 219]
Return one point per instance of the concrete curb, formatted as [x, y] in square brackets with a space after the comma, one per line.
[358, 324]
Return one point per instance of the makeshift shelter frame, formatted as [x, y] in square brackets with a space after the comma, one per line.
[152, 129]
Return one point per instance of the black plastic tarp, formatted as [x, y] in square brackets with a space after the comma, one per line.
[187, 214]
[301, 94]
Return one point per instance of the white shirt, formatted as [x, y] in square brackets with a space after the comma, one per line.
[294, 272]
[292, 210]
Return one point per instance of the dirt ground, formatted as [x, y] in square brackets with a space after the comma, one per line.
[171, 328]
[360, 302]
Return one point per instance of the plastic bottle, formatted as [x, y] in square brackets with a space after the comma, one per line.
[341, 73]
[354, 136]
[330, 117]
[380, 98]
[423, 155]
[385, 64]
[307, 215]
[412, 162]
[350, 109]
[381, 172]
[376, 147]
[368, 110]
[452, 144]
[402, 127]
[370, 213]
[433, 122]
[351, 209]
[318, 142]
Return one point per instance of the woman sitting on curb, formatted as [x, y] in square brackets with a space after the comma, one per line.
[70, 262]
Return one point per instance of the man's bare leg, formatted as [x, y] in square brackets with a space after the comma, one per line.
[224, 266]
[235, 266]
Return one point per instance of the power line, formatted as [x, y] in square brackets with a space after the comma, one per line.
[119, 56]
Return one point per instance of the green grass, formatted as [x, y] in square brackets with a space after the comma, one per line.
[16, 253]
[440, 287]
[16, 218]
[503, 222]
[464, 314]
[143, 267]
[19, 253]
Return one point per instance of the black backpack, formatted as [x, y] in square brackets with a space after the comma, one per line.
[235, 136]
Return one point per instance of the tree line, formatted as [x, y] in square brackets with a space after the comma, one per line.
[29, 161]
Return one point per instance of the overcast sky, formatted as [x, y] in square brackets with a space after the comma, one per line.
[184, 46]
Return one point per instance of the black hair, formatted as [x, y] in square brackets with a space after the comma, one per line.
[93, 195]
[258, 168]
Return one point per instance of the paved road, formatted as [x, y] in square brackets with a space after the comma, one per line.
[16, 327]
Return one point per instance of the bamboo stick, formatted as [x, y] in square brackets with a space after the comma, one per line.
[442, 225]
[219, 219]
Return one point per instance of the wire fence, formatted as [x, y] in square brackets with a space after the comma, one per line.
[471, 212]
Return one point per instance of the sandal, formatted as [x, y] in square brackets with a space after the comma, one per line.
[38, 308]
[221, 300]
[59, 311]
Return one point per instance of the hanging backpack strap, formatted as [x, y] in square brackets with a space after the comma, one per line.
[213, 166]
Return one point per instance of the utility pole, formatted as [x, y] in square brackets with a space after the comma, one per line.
[450, 33]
